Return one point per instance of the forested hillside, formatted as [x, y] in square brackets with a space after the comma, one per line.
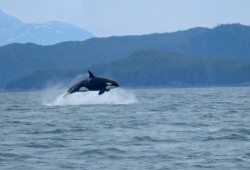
[149, 68]
[225, 41]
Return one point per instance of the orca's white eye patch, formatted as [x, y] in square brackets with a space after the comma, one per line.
[109, 84]
[83, 89]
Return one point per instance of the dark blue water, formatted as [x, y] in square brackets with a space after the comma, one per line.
[189, 128]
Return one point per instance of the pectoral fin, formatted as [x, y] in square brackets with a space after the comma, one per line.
[101, 91]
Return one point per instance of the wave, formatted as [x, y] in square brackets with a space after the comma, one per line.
[54, 97]
[102, 151]
[151, 139]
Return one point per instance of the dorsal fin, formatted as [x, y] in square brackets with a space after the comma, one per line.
[91, 75]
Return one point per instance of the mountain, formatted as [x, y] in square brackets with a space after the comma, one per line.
[231, 41]
[149, 68]
[13, 30]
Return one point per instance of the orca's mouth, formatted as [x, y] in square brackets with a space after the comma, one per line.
[116, 84]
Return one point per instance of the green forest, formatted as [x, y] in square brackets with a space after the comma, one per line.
[150, 68]
[194, 57]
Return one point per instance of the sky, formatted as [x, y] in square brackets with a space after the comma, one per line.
[105, 18]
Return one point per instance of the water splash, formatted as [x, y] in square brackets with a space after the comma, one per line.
[114, 97]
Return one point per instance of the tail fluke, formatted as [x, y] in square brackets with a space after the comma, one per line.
[67, 94]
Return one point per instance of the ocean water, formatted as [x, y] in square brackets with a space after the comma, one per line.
[126, 129]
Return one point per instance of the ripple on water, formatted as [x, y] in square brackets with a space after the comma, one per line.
[203, 128]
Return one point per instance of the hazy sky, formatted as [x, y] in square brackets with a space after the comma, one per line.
[131, 17]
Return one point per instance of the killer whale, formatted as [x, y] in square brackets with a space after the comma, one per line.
[93, 83]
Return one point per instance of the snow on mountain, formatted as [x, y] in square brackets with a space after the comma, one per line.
[13, 30]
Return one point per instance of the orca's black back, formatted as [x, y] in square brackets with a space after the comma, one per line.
[97, 83]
